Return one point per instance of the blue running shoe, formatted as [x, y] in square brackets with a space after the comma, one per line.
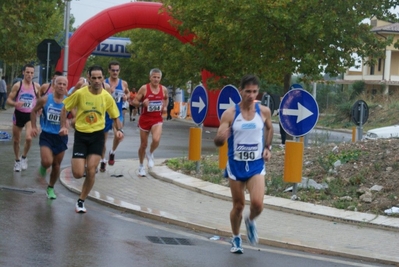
[251, 232]
[236, 245]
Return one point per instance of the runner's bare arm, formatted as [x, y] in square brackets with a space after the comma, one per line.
[37, 89]
[13, 94]
[224, 128]
[268, 133]
[33, 115]
[64, 127]
[140, 95]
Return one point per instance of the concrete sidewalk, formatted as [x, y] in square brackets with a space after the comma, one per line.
[175, 198]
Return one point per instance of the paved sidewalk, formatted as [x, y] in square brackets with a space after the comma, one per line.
[175, 198]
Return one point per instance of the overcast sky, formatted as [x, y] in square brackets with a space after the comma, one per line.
[82, 10]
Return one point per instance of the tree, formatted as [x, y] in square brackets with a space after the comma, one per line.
[275, 39]
[25, 24]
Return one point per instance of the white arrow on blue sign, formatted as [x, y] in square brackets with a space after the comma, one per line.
[228, 97]
[299, 112]
[199, 104]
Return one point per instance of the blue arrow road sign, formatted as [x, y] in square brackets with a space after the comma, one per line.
[199, 104]
[296, 86]
[228, 97]
[299, 112]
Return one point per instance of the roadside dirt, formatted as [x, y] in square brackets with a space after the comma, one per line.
[366, 176]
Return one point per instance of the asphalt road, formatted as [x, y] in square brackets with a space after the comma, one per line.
[36, 231]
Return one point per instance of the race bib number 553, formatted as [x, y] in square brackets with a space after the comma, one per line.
[154, 106]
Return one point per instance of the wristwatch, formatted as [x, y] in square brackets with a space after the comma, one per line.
[120, 130]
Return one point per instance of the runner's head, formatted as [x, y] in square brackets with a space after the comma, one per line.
[96, 74]
[114, 69]
[155, 76]
[60, 85]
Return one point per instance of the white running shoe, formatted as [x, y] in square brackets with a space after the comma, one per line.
[24, 163]
[142, 171]
[236, 246]
[80, 207]
[150, 158]
[17, 166]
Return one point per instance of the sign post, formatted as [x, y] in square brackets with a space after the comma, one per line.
[48, 51]
[360, 115]
[228, 97]
[298, 115]
[198, 110]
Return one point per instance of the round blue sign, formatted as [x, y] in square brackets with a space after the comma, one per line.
[299, 112]
[199, 104]
[228, 97]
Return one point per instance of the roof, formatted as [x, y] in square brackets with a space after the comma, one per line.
[394, 27]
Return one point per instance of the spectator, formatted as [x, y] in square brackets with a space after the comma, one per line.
[3, 93]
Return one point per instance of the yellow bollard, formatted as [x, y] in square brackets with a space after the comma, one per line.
[353, 134]
[293, 162]
[194, 144]
[223, 156]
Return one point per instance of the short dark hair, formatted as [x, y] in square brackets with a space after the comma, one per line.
[113, 63]
[27, 66]
[95, 67]
[249, 79]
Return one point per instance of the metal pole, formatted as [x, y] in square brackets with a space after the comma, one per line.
[66, 47]
[360, 128]
[48, 62]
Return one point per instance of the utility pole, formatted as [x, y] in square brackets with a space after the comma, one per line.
[66, 28]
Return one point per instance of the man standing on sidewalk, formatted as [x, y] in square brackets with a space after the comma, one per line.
[23, 97]
[153, 99]
[248, 129]
[52, 145]
[91, 102]
[119, 91]
[3, 93]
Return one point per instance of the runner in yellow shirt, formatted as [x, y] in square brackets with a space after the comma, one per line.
[91, 102]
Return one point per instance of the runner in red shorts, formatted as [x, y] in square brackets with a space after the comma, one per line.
[152, 98]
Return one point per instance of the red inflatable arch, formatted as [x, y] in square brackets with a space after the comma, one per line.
[144, 15]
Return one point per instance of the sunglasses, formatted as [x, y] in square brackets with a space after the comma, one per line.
[113, 70]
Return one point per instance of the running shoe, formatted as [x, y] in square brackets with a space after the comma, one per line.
[150, 158]
[142, 171]
[24, 163]
[111, 159]
[251, 232]
[80, 207]
[236, 245]
[50, 193]
[17, 166]
[102, 166]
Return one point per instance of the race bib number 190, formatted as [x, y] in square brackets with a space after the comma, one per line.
[246, 152]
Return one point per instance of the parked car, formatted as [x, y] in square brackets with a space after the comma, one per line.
[383, 132]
